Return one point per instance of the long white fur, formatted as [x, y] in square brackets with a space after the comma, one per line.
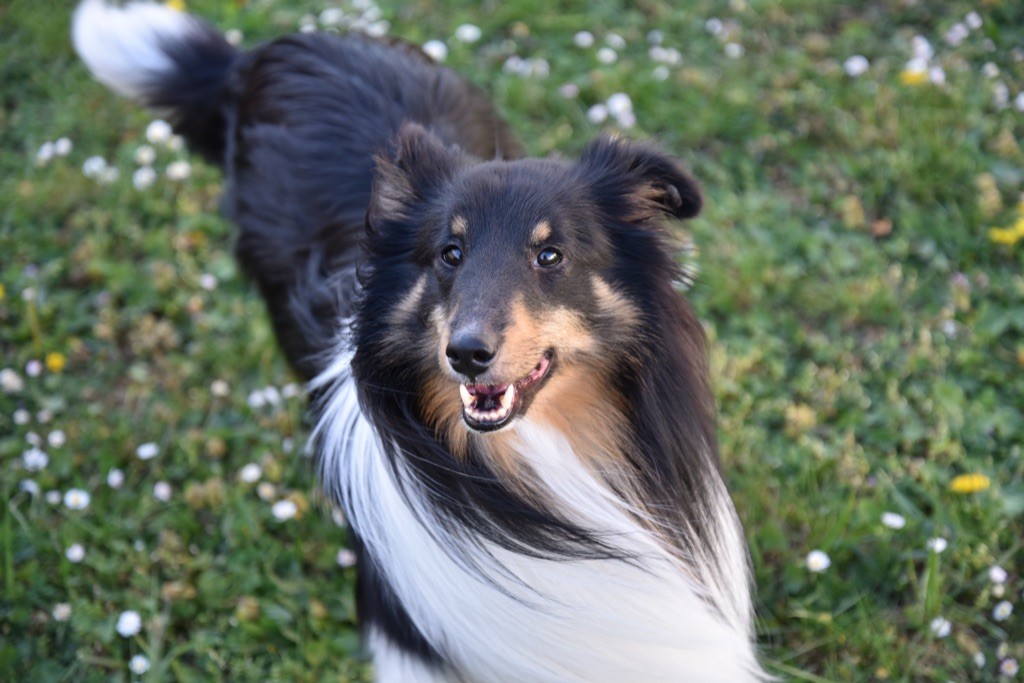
[530, 619]
[122, 46]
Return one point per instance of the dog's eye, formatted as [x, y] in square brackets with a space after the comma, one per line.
[451, 255]
[549, 257]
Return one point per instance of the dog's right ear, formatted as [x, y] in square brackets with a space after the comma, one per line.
[417, 164]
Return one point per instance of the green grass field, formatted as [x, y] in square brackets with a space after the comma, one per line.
[867, 325]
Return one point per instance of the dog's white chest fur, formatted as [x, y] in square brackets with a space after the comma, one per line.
[501, 616]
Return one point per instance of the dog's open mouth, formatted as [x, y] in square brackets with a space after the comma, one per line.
[486, 407]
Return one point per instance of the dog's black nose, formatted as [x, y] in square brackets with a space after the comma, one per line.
[470, 354]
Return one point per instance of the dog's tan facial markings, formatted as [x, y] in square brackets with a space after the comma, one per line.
[408, 307]
[459, 226]
[541, 233]
[613, 304]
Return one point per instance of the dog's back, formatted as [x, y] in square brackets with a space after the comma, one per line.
[295, 124]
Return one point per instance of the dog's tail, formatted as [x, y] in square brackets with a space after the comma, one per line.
[167, 60]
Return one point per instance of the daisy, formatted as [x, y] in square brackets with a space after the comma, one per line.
[1002, 611]
[115, 478]
[139, 664]
[997, 574]
[93, 166]
[129, 623]
[251, 473]
[607, 55]
[818, 561]
[162, 491]
[346, 558]
[937, 544]
[56, 438]
[940, 627]
[158, 132]
[10, 381]
[468, 33]
[583, 39]
[75, 553]
[856, 65]
[597, 114]
[893, 520]
[35, 460]
[147, 451]
[76, 499]
[61, 611]
[436, 50]
[143, 178]
[62, 147]
[284, 510]
[178, 170]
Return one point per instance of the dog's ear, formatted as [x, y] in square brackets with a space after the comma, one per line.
[416, 165]
[646, 180]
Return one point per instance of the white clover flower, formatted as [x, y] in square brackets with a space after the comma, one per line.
[220, 388]
[129, 623]
[265, 490]
[818, 561]
[607, 55]
[979, 659]
[937, 544]
[256, 399]
[660, 73]
[10, 381]
[251, 473]
[21, 416]
[1002, 611]
[436, 50]
[714, 26]
[734, 50]
[61, 611]
[291, 390]
[139, 664]
[108, 175]
[176, 143]
[583, 39]
[162, 491]
[56, 438]
[76, 499]
[144, 155]
[33, 439]
[378, 29]
[997, 574]
[893, 520]
[30, 487]
[655, 37]
[332, 16]
[921, 48]
[271, 395]
[44, 416]
[33, 368]
[956, 34]
[147, 451]
[158, 132]
[233, 36]
[619, 104]
[937, 75]
[856, 65]
[940, 627]
[45, 153]
[1018, 102]
[597, 114]
[468, 33]
[615, 41]
[143, 178]
[28, 294]
[1008, 668]
[94, 166]
[1000, 95]
[208, 281]
[346, 558]
[179, 170]
[115, 478]
[53, 497]
[75, 553]
[973, 20]
[62, 147]
[989, 70]
[284, 509]
[35, 460]
[626, 119]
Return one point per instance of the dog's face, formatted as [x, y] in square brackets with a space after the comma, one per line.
[503, 287]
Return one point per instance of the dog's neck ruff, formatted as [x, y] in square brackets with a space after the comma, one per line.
[497, 615]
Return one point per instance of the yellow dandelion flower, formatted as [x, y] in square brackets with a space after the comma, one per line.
[178, 5]
[3, 292]
[970, 483]
[1007, 236]
[913, 77]
[55, 361]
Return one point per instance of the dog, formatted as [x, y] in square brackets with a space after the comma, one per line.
[511, 399]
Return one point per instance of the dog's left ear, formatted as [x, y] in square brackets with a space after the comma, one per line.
[647, 180]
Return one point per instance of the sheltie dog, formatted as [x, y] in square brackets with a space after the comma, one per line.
[511, 399]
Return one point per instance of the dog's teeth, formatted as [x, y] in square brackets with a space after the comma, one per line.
[507, 398]
[467, 398]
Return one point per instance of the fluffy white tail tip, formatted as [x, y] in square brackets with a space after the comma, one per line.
[124, 47]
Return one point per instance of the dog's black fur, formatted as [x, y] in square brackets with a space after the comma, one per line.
[348, 160]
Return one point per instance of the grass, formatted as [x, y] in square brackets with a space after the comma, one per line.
[868, 339]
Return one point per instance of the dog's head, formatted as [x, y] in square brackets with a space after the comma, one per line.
[501, 288]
